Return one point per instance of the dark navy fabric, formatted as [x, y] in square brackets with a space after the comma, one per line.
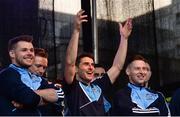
[123, 105]
[36, 82]
[51, 109]
[175, 103]
[13, 89]
[79, 104]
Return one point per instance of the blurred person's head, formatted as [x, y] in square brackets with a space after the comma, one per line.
[40, 62]
[99, 70]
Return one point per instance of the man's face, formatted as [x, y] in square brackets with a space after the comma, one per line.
[137, 72]
[99, 71]
[86, 69]
[23, 54]
[39, 66]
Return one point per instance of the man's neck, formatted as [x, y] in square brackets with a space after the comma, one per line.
[82, 80]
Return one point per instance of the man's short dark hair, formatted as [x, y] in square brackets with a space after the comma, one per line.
[40, 52]
[82, 56]
[136, 57]
[12, 42]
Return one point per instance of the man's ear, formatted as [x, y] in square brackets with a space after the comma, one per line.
[11, 53]
[150, 73]
[127, 71]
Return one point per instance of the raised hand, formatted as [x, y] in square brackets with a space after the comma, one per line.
[126, 30]
[79, 18]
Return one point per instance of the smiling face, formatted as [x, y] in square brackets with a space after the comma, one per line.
[22, 54]
[85, 69]
[137, 72]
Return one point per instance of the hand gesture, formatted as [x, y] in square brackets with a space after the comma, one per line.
[79, 18]
[126, 30]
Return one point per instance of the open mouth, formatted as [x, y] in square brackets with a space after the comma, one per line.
[90, 73]
[29, 59]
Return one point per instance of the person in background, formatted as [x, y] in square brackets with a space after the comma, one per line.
[85, 96]
[135, 99]
[18, 96]
[38, 68]
[99, 71]
[40, 63]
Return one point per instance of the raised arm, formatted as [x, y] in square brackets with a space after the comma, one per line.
[120, 56]
[72, 49]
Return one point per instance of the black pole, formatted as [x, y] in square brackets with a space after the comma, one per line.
[157, 79]
[87, 27]
[54, 40]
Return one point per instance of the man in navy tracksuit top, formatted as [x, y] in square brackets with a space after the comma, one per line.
[38, 69]
[83, 94]
[36, 82]
[135, 99]
[18, 97]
